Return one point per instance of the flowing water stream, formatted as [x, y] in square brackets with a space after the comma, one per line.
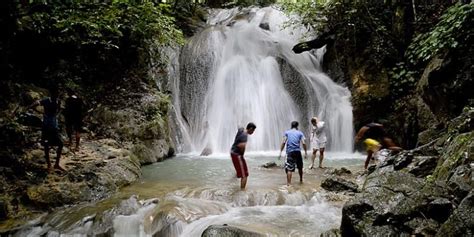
[184, 195]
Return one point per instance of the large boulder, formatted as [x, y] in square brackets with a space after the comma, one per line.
[389, 201]
[228, 231]
[101, 169]
[461, 223]
[339, 184]
[446, 82]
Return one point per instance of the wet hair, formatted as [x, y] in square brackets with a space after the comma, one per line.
[294, 124]
[251, 125]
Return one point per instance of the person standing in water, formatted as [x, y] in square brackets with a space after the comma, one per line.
[293, 139]
[237, 153]
[318, 141]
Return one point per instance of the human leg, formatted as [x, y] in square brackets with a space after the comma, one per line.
[321, 157]
[288, 177]
[241, 170]
[290, 166]
[58, 157]
[78, 139]
[299, 164]
[243, 182]
[313, 157]
[77, 130]
[46, 155]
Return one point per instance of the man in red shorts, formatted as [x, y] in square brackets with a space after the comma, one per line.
[237, 153]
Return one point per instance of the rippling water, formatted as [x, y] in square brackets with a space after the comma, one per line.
[195, 192]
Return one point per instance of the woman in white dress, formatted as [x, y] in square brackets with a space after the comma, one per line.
[318, 140]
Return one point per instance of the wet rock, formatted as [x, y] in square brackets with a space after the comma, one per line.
[228, 231]
[371, 168]
[422, 226]
[341, 171]
[402, 160]
[264, 25]
[461, 222]
[331, 233]
[269, 165]
[423, 166]
[151, 151]
[389, 199]
[456, 153]
[439, 209]
[461, 182]
[338, 184]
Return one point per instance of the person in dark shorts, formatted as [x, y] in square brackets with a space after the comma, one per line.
[237, 153]
[293, 139]
[50, 131]
[373, 133]
[73, 115]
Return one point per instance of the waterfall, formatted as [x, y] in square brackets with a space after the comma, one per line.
[241, 69]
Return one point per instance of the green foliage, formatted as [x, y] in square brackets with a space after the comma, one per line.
[402, 80]
[102, 25]
[360, 28]
[453, 27]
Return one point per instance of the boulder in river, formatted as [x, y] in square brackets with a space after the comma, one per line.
[228, 231]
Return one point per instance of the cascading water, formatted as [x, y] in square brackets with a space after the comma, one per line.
[235, 71]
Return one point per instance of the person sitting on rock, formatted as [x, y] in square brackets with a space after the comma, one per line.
[50, 132]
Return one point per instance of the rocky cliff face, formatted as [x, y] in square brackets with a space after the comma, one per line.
[426, 191]
[434, 92]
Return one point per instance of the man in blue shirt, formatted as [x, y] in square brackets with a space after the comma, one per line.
[293, 139]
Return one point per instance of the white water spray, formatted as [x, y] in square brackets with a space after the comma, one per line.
[244, 81]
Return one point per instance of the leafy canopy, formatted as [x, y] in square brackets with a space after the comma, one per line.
[101, 24]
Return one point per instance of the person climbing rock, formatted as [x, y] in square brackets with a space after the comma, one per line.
[375, 138]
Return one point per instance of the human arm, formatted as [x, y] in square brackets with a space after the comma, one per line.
[361, 133]
[303, 143]
[241, 147]
[282, 146]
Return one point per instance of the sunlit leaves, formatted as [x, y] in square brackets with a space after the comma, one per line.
[452, 28]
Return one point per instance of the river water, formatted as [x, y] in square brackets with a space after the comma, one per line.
[184, 195]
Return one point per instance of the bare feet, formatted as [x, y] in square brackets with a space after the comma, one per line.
[311, 166]
[58, 167]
